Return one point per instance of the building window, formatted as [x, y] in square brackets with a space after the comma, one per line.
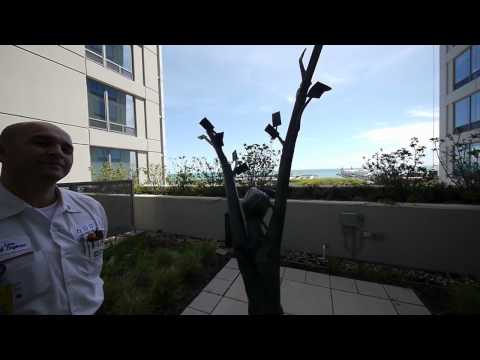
[475, 108]
[116, 57]
[461, 113]
[467, 66]
[116, 159]
[462, 68]
[110, 109]
[466, 113]
[476, 60]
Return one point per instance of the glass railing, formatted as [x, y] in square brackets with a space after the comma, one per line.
[113, 127]
[109, 64]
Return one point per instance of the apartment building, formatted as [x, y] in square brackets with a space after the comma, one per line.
[459, 96]
[109, 98]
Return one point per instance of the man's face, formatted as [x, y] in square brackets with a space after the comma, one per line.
[40, 152]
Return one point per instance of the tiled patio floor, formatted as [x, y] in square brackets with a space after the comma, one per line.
[308, 293]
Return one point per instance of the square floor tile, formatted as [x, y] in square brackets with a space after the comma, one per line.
[409, 309]
[232, 264]
[318, 279]
[354, 304]
[237, 290]
[402, 294]
[371, 289]
[227, 274]
[342, 283]
[231, 307]
[190, 311]
[205, 302]
[294, 274]
[217, 286]
[303, 299]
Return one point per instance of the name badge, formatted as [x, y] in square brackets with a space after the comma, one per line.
[10, 249]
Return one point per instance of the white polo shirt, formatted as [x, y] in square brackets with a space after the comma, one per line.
[49, 266]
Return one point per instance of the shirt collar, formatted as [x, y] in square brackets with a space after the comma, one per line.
[10, 204]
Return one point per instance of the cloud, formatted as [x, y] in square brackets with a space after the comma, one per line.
[394, 137]
[423, 112]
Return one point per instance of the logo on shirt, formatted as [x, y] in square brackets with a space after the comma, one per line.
[85, 228]
[6, 246]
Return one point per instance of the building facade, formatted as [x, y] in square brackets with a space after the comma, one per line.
[459, 98]
[109, 98]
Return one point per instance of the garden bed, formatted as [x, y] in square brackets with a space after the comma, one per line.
[157, 273]
[442, 293]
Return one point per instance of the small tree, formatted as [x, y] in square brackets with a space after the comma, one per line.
[463, 157]
[154, 176]
[107, 172]
[207, 174]
[184, 174]
[261, 160]
[400, 168]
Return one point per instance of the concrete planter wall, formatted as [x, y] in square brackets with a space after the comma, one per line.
[424, 236]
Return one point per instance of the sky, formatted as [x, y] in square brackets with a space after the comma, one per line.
[381, 97]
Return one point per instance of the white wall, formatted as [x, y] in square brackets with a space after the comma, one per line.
[424, 236]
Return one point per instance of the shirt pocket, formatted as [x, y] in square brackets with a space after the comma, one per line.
[28, 276]
[91, 255]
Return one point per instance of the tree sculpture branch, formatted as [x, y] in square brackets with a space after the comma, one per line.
[258, 251]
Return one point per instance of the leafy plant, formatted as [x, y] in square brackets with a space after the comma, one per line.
[401, 168]
[184, 174]
[208, 174]
[460, 159]
[262, 160]
[107, 172]
[154, 175]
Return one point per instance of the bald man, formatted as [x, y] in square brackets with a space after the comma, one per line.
[51, 239]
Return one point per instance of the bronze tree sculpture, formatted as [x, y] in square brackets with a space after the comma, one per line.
[256, 245]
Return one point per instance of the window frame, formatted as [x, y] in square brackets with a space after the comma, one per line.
[471, 125]
[105, 62]
[476, 73]
[107, 113]
[471, 74]
[109, 156]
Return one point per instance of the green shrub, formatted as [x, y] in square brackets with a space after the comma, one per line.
[190, 264]
[464, 299]
[164, 257]
[208, 251]
[131, 302]
[167, 287]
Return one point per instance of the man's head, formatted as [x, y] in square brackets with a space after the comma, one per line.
[36, 150]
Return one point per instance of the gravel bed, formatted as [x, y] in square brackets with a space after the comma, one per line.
[346, 266]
